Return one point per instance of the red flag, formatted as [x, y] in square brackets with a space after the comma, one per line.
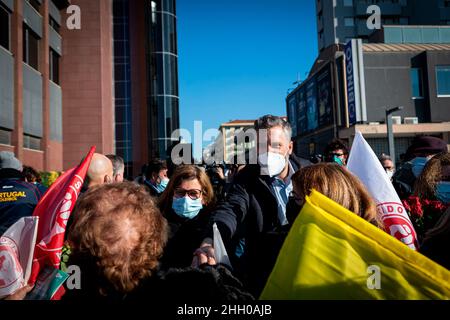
[54, 210]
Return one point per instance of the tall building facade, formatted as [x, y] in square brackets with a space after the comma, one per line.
[87, 82]
[163, 75]
[350, 90]
[111, 82]
[341, 20]
[145, 79]
[360, 73]
[31, 48]
[122, 83]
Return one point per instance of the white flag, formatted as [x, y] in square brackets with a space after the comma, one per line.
[16, 255]
[363, 163]
[219, 248]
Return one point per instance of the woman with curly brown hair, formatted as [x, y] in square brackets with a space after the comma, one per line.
[186, 204]
[338, 184]
[431, 196]
[117, 238]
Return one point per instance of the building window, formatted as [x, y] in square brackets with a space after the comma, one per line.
[416, 83]
[404, 21]
[349, 22]
[446, 3]
[35, 4]
[5, 136]
[54, 66]
[30, 142]
[54, 24]
[348, 3]
[30, 48]
[4, 28]
[443, 80]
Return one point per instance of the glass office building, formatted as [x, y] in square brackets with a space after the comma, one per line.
[145, 80]
[122, 84]
[163, 75]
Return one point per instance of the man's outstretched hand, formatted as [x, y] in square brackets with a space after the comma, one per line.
[204, 254]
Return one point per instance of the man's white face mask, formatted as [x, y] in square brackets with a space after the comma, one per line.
[390, 173]
[272, 163]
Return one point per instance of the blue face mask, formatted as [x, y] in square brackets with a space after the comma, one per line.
[186, 207]
[163, 184]
[417, 165]
[160, 187]
[443, 191]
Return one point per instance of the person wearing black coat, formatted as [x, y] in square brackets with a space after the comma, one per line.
[156, 177]
[184, 236]
[435, 244]
[186, 204]
[117, 249]
[252, 219]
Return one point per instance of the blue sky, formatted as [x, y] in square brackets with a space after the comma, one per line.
[238, 58]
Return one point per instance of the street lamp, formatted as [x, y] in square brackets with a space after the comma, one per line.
[390, 132]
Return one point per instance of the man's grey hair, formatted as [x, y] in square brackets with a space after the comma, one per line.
[269, 121]
[384, 157]
[117, 162]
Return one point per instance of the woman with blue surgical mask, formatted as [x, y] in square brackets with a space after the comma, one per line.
[186, 204]
[431, 195]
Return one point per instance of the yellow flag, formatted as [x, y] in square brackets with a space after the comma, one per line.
[331, 253]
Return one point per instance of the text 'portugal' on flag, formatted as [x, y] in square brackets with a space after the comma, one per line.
[54, 210]
[363, 163]
[332, 253]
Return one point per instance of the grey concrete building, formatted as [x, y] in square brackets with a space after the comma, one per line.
[341, 20]
[350, 87]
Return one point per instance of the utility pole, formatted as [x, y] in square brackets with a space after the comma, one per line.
[390, 132]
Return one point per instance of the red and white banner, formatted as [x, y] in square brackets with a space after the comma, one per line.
[363, 163]
[54, 210]
[16, 255]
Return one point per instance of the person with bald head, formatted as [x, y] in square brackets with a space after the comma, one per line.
[100, 171]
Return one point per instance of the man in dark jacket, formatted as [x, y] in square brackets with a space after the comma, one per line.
[252, 218]
[156, 177]
[17, 197]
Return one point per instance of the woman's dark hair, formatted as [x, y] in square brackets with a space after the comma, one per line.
[31, 174]
[336, 144]
[437, 169]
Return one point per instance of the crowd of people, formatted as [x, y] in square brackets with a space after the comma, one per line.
[153, 237]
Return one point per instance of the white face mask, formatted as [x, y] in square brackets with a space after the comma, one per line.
[271, 163]
[390, 173]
